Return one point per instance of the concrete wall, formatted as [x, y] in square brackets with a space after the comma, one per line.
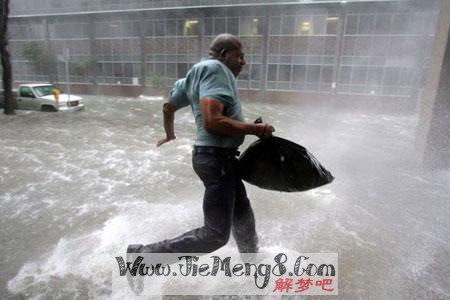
[433, 134]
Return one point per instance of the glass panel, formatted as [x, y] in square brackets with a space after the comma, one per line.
[284, 73]
[328, 60]
[275, 27]
[272, 59]
[127, 70]
[272, 73]
[299, 74]
[288, 25]
[244, 73]
[255, 73]
[286, 59]
[170, 28]
[182, 69]
[148, 27]
[351, 24]
[283, 85]
[313, 74]
[391, 76]
[316, 45]
[382, 24]
[327, 73]
[406, 76]
[254, 85]
[208, 26]
[159, 28]
[349, 45]
[359, 75]
[179, 27]
[300, 60]
[301, 45]
[191, 27]
[319, 24]
[249, 26]
[298, 86]
[344, 76]
[400, 24]
[315, 60]
[418, 23]
[233, 26]
[219, 26]
[257, 26]
[332, 25]
[375, 76]
[304, 25]
[159, 70]
[271, 85]
[366, 24]
[379, 46]
[362, 45]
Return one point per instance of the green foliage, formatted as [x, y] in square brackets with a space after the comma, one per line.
[157, 82]
[85, 68]
[37, 53]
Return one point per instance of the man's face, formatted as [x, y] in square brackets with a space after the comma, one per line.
[234, 59]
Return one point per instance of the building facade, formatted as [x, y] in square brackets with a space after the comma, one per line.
[370, 48]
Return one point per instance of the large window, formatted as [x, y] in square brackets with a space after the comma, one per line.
[114, 29]
[380, 52]
[301, 52]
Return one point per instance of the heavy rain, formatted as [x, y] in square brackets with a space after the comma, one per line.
[363, 85]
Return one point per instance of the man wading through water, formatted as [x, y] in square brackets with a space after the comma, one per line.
[210, 89]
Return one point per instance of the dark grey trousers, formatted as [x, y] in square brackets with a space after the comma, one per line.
[226, 208]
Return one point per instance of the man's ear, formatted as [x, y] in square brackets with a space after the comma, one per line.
[223, 53]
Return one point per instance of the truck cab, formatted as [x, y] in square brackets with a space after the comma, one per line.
[39, 96]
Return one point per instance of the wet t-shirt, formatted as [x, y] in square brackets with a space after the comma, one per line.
[209, 78]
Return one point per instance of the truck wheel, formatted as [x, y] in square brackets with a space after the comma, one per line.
[48, 108]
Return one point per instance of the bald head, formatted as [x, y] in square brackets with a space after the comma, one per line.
[228, 49]
[223, 43]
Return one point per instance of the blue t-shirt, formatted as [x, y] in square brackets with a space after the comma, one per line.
[209, 78]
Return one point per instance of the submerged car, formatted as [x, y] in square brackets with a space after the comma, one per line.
[38, 96]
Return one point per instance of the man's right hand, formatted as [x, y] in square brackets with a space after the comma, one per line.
[264, 130]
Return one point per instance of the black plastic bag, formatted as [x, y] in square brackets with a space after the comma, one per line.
[281, 165]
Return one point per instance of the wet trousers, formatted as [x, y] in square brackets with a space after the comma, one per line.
[226, 208]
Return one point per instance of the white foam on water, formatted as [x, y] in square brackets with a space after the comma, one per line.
[90, 257]
[323, 195]
[5, 198]
[151, 98]
[58, 176]
[107, 132]
[184, 118]
[21, 202]
[152, 154]
[50, 203]
[367, 213]
[34, 157]
[354, 236]
[186, 148]
[210, 285]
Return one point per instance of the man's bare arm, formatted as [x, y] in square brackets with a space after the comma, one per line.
[169, 116]
[215, 122]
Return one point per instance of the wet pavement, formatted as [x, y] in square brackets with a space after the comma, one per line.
[77, 188]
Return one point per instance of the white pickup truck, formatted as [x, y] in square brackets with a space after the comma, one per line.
[38, 96]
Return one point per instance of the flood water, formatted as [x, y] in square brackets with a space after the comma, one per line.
[77, 188]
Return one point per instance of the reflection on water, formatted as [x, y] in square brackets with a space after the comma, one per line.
[77, 188]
